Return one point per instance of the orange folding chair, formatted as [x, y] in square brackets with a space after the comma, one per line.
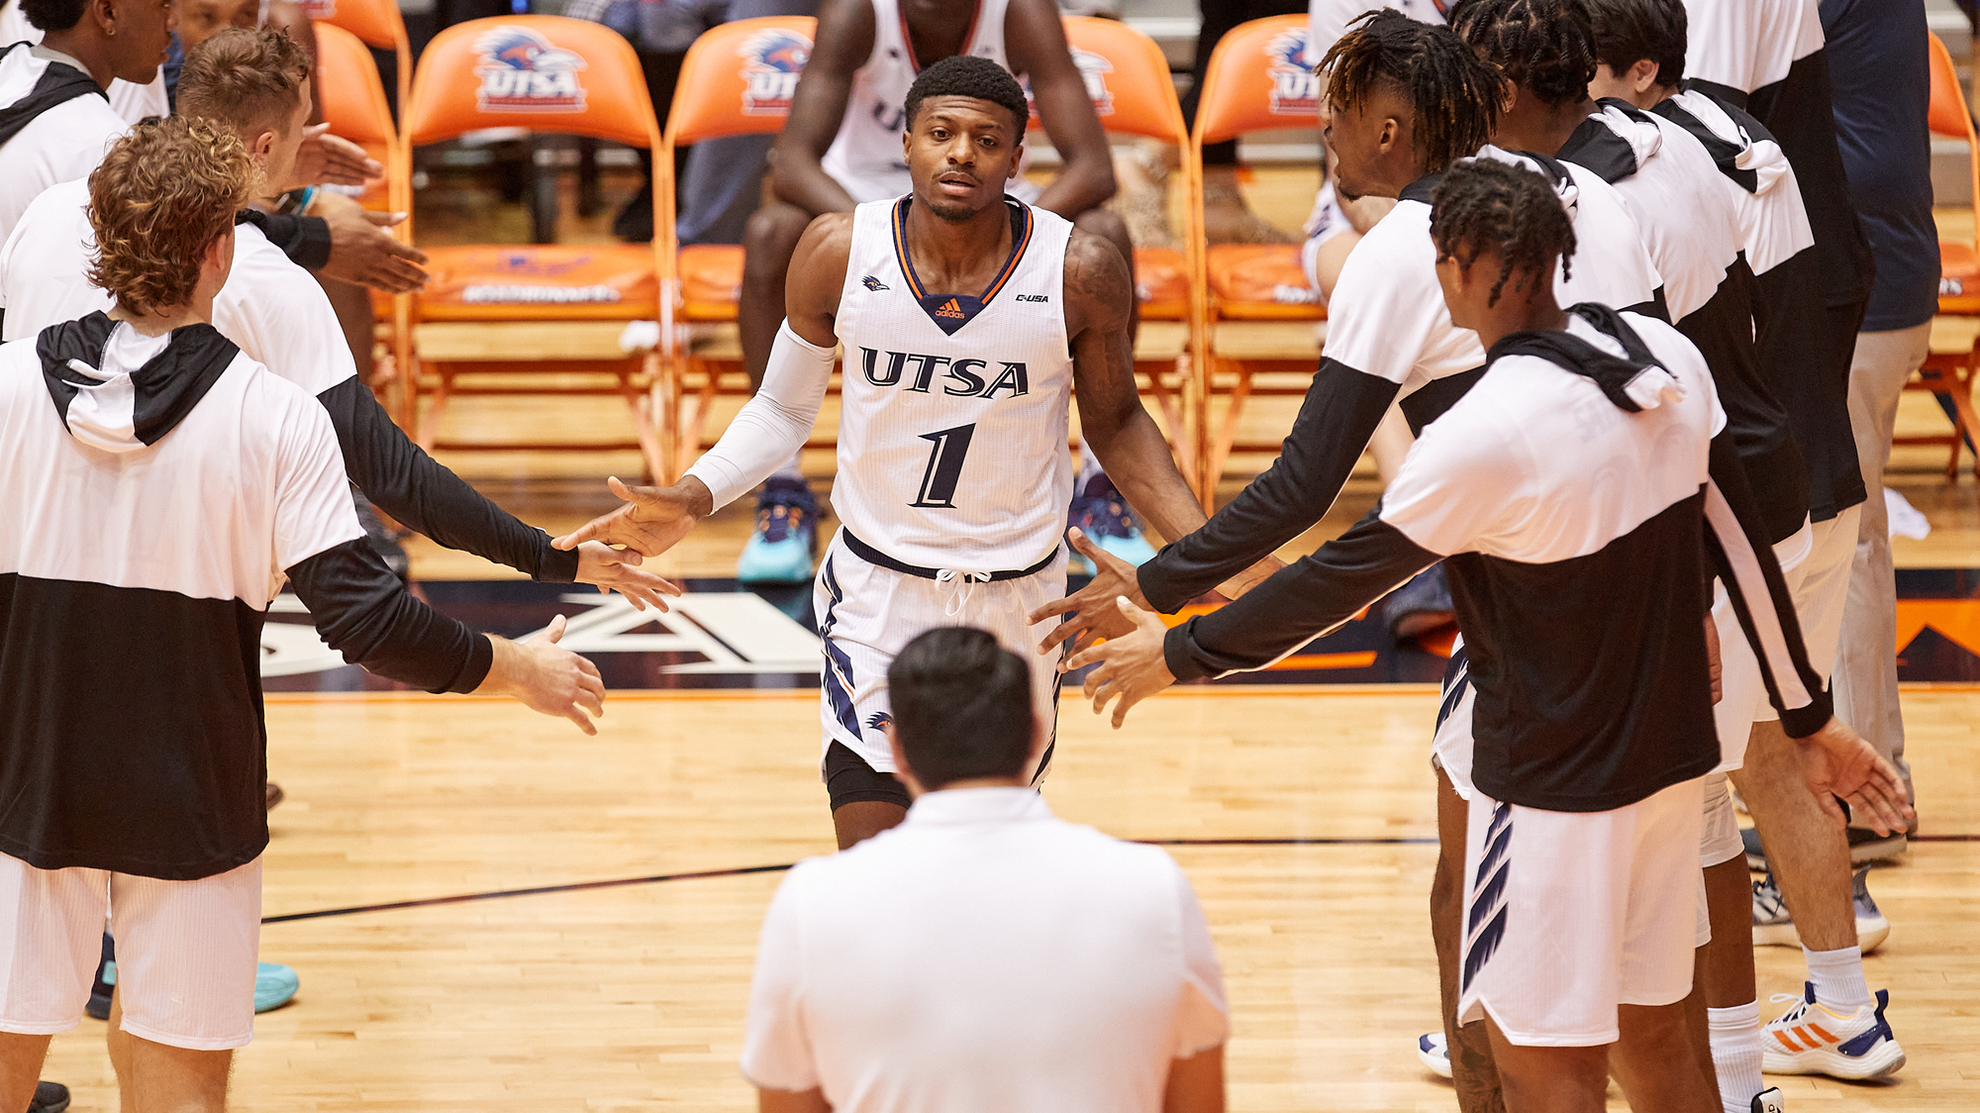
[377, 23]
[737, 79]
[1253, 307]
[1952, 373]
[355, 107]
[512, 308]
[1128, 78]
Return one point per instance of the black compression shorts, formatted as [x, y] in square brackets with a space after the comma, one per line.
[850, 780]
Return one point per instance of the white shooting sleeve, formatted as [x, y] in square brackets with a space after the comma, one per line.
[772, 425]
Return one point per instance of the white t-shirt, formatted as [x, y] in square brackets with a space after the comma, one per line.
[62, 144]
[984, 955]
[132, 102]
[1749, 44]
[270, 306]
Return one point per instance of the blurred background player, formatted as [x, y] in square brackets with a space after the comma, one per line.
[968, 901]
[968, 318]
[837, 151]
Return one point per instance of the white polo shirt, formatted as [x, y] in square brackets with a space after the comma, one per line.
[62, 144]
[270, 306]
[984, 955]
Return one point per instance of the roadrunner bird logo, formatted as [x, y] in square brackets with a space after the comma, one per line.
[772, 61]
[521, 72]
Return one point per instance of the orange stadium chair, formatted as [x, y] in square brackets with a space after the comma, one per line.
[354, 106]
[377, 23]
[512, 308]
[1952, 373]
[1253, 307]
[737, 79]
[1128, 78]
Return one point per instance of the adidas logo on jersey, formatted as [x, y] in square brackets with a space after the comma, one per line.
[950, 309]
[873, 283]
[962, 378]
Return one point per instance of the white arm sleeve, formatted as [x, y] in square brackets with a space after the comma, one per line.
[772, 425]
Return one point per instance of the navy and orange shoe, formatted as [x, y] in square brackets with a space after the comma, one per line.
[781, 548]
[1811, 1039]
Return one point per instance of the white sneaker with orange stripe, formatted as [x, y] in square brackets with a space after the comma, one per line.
[1810, 1039]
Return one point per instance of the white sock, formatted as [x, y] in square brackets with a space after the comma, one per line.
[792, 470]
[1089, 466]
[1735, 1035]
[1838, 979]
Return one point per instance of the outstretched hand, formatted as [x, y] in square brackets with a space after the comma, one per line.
[1131, 666]
[324, 158]
[1091, 612]
[618, 570]
[548, 678]
[652, 520]
[1836, 761]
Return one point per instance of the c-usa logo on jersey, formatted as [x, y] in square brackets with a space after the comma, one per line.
[961, 378]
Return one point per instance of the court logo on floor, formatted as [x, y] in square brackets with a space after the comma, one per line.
[1295, 87]
[772, 62]
[521, 71]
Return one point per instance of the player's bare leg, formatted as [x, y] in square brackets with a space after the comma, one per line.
[1727, 974]
[1473, 1071]
[1653, 1062]
[768, 241]
[158, 1078]
[21, 1057]
[1697, 1024]
[1809, 854]
[862, 819]
[1551, 1079]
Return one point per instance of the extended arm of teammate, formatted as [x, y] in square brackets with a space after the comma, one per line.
[844, 39]
[771, 426]
[1036, 42]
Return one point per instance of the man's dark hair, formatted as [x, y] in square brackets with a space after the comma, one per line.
[964, 75]
[962, 707]
[1455, 95]
[1483, 205]
[54, 15]
[1628, 31]
[1546, 47]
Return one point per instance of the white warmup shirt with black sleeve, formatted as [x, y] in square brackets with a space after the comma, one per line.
[281, 318]
[1693, 232]
[1770, 58]
[1573, 496]
[55, 125]
[1389, 333]
[154, 492]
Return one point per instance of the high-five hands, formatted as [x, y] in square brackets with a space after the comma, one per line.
[324, 158]
[618, 570]
[1091, 613]
[1836, 761]
[652, 520]
[548, 678]
[1131, 665]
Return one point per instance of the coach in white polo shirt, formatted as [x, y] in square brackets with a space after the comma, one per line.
[984, 955]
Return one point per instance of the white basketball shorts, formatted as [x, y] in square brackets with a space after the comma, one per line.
[186, 951]
[867, 614]
[1569, 915]
[1816, 565]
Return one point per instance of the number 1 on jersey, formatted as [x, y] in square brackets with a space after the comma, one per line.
[945, 462]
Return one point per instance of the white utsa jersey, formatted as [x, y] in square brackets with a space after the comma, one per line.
[952, 421]
[865, 156]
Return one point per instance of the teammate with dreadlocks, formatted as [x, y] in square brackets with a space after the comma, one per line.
[1640, 45]
[1587, 619]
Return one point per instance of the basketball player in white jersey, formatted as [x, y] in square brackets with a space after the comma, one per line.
[966, 318]
[841, 148]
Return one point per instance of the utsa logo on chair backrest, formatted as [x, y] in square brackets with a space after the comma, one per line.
[542, 72]
[1260, 76]
[1126, 77]
[738, 78]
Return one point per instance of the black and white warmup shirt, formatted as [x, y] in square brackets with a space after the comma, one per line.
[281, 318]
[154, 491]
[1569, 495]
[55, 124]
[1693, 232]
[1797, 360]
[1388, 333]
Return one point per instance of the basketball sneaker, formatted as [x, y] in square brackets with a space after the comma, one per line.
[1102, 514]
[1774, 927]
[786, 536]
[1434, 1053]
[274, 985]
[1809, 1039]
[49, 1097]
[1769, 1100]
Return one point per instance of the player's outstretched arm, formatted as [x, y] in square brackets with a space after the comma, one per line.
[545, 677]
[771, 425]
